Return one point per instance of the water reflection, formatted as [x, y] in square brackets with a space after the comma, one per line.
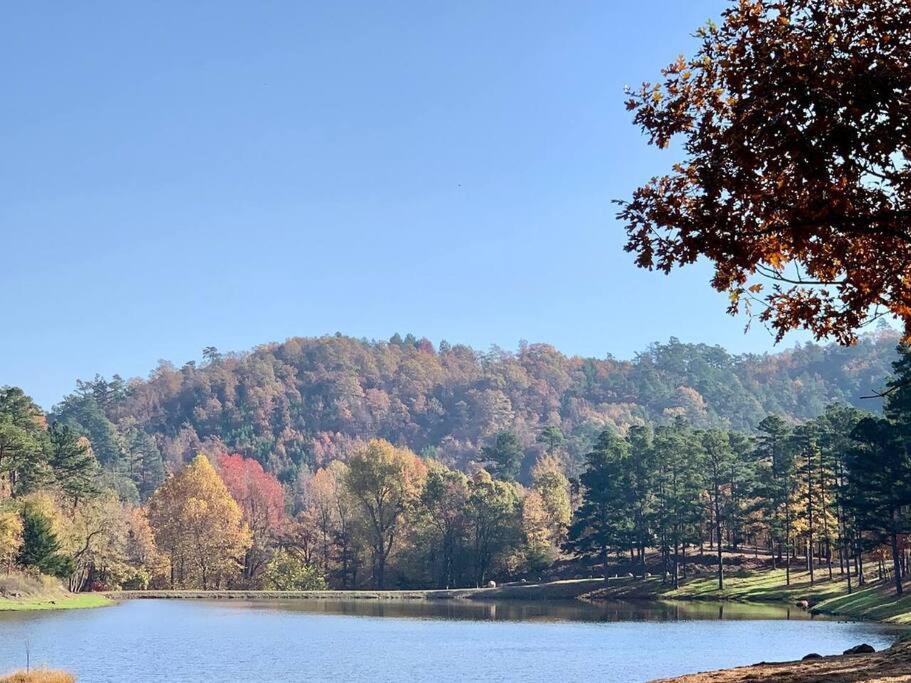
[152, 641]
[539, 611]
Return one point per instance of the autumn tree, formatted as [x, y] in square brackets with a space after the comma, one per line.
[262, 501]
[444, 499]
[795, 179]
[10, 537]
[551, 484]
[539, 550]
[493, 512]
[199, 526]
[94, 535]
[147, 566]
[386, 481]
[333, 508]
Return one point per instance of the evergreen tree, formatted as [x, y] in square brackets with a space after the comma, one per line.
[74, 467]
[879, 466]
[602, 522]
[835, 428]
[552, 438]
[678, 511]
[40, 547]
[775, 482]
[717, 461]
[640, 493]
[879, 485]
[504, 455]
[23, 442]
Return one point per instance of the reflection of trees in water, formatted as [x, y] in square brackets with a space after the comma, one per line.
[539, 611]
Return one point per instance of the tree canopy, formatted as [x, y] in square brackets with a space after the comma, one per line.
[795, 179]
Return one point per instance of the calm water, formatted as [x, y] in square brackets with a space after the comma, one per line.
[170, 640]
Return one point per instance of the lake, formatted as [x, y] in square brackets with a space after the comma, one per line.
[366, 640]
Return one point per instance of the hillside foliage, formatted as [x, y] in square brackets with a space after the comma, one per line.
[297, 405]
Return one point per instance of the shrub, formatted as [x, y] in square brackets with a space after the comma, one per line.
[287, 572]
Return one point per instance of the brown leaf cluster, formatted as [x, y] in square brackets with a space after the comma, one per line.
[795, 119]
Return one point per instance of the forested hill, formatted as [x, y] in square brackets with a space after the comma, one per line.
[297, 404]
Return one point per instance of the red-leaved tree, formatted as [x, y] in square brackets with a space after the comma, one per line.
[262, 500]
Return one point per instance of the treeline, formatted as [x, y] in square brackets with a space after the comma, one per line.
[298, 405]
[86, 495]
[824, 493]
[382, 517]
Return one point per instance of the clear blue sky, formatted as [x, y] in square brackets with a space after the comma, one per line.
[177, 175]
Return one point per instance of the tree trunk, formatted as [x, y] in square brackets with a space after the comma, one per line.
[718, 538]
[810, 514]
[676, 567]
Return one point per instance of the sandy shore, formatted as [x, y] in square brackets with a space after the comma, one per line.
[890, 665]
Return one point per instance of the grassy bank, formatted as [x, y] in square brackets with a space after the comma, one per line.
[21, 592]
[875, 601]
[62, 601]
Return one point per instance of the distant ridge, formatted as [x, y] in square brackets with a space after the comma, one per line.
[296, 404]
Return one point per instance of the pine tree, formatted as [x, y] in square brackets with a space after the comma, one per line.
[775, 462]
[717, 461]
[879, 466]
[72, 463]
[879, 484]
[678, 511]
[504, 455]
[602, 522]
[40, 547]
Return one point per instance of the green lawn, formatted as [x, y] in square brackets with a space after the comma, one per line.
[764, 586]
[40, 602]
[875, 601]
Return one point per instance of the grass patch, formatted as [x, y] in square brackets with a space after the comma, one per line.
[23, 592]
[761, 586]
[875, 601]
[63, 601]
[879, 603]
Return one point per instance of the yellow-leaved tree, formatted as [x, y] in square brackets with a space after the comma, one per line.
[386, 482]
[549, 481]
[199, 526]
[10, 537]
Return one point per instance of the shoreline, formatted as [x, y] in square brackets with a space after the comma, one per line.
[570, 589]
[56, 602]
[892, 664]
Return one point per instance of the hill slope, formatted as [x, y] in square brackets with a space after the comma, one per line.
[300, 402]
